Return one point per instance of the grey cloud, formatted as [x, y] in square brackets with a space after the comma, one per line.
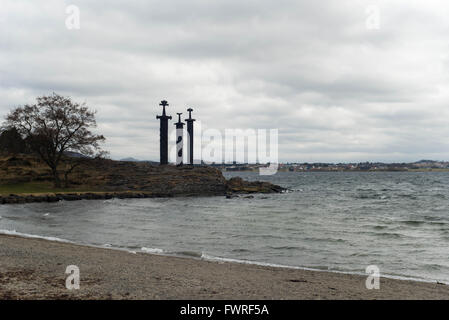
[335, 90]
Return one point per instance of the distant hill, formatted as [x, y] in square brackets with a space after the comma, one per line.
[426, 161]
[130, 159]
[75, 154]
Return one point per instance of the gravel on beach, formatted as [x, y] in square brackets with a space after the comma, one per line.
[35, 269]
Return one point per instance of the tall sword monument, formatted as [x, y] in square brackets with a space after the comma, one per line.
[190, 137]
[163, 133]
[179, 142]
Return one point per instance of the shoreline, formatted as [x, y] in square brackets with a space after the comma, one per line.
[232, 188]
[33, 268]
[93, 195]
[203, 257]
[103, 195]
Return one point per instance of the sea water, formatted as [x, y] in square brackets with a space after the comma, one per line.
[333, 221]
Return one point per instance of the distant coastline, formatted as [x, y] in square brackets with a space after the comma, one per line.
[418, 166]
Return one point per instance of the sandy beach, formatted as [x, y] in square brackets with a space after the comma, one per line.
[35, 269]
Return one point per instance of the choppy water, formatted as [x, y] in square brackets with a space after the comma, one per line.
[331, 221]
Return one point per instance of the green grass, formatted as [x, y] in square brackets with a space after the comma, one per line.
[38, 187]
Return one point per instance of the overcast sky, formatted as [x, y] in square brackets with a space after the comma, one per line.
[338, 85]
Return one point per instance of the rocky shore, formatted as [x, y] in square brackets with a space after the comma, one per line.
[231, 192]
[27, 198]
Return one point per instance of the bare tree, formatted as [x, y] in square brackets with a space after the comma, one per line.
[55, 126]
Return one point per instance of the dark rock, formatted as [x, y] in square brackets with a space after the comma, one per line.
[238, 185]
[51, 198]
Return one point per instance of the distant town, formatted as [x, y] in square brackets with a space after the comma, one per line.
[422, 165]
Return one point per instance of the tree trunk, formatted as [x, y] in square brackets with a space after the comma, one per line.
[56, 179]
[66, 179]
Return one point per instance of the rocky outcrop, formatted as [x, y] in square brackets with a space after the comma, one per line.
[238, 185]
[119, 179]
[165, 180]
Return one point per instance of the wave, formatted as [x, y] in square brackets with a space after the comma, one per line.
[324, 239]
[55, 239]
[413, 222]
[408, 196]
[372, 196]
[422, 222]
[285, 247]
[386, 235]
[379, 227]
[152, 250]
[194, 254]
[104, 246]
[33, 236]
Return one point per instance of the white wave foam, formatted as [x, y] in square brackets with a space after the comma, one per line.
[104, 246]
[264, 264]
[33, 236]
[151, 250]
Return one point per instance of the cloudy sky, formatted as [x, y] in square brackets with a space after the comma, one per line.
[338, 83]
